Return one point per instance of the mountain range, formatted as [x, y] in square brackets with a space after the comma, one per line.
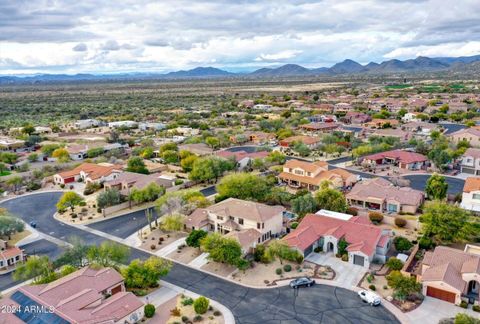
[347, 67]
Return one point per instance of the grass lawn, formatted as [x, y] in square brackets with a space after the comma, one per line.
[5, 173]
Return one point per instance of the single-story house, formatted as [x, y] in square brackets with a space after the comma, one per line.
[89, 172]
[311, 141]
[471, 195]
[317, 128]
[450, 275]
[243, 158]
[366, 242]
[126, 181]
[402, 159]
[380, 194]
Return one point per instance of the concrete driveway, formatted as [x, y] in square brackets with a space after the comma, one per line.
[347, 274]
[433, 310]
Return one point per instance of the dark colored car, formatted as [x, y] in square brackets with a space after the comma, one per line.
[302, 282]
[33, 224]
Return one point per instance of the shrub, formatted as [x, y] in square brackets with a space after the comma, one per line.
[375, 217]
[425, 243]
[345, 257]
[476, 308]
[463, 304]
[394, 264]
[153, 246]
[385, 287]
[372, 287]
[278, 271]
[197, 318]
[370, 278]
[259, 253]
[352, 211]
[318, 249]
[299, 258]
[193, 239]
[400, 222]
[62, 186]
[200, 305]
[149, 310]
[217, 313]
[175, 312]
[187, 301]
[82, 203]
[185, 319]
[243, 264]
[294, 225]
[287, 268]
[402, 244]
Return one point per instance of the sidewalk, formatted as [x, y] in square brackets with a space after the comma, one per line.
[199, 261]
[170, 248]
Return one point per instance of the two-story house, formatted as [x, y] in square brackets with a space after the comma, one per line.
[10, 256]
[310, 175]
[471, 135]
[471, 161]
[250, 222]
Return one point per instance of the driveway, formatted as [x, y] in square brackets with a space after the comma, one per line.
[433, 310]
[318, 304]
[347, 274]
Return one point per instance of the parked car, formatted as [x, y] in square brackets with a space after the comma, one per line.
[299, 282]
[33, 224]
[369, 297]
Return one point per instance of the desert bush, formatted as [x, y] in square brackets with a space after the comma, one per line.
[400, 222]
[278, 271]
[287, 268]
[375, 217]
[200, 305]
[187, 301]
[372, 287]
[345, 257]
[149, 310]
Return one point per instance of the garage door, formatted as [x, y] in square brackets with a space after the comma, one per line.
[441, 294]
[468, 170]
[308, 250]
[358, 260]
[68, 180]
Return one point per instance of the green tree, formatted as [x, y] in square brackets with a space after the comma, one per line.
[69, 199]
[109, 197]
[221, 249]
[94, 152]
[33, 157]
[170, 156]
[48, 149]
[3, 168]
[213, 142]
[149, 310]
[10, 225]
[76, 255]
[15, 182]
[7, 157]
[136, 164]
[172, 222]
[275, 157]
[445, 223]
[168, 147]
[40, 269]
[28, 129]
[108, 254]
[342, 246]
[402, 285]
[436, 187]
[402, 244]
[193, 239]
[245, 186]
[331, 199]
[276, 249]
[304, 204]
[187, 162]
[200, 305]
[258, 164]
[463, 318]
[145, 274]
[209, 168]
[301, 149]
[394, 264]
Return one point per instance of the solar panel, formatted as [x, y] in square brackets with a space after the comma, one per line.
[32, 312]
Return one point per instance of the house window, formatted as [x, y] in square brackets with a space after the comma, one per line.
[299, 172]
[263, 225]
[476, 196]
[240, 221]
[219, 217]
[392, 208]
[1, 262]
[258, 225]
[231, 218]
[309, 174]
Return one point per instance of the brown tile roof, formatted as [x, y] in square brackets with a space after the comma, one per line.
[245, 209]
[197, 219]
[306, 166]
[78, 297]
[94, 171]
[471, 184]
[400, 155]
[473, 152]
[447, 264]
[246, 238]
[10, 252]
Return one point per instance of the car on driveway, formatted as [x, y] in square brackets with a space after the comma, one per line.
[302, 282]
[369, 297]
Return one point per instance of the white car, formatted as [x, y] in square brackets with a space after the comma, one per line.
[369, 297]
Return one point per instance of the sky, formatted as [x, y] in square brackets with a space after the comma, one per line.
[116, 36]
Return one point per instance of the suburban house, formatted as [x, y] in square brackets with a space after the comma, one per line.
[451, 275]
[10, 256]
[89, 172]
[366, 243]
[318, 128]
[380, 194]
[250, 222]
[311, 141]
[78, 152]
[420, 128]
[399, 158]
[258, 138]
[84, 296]
[243, 158]
[471, 161]
[354, 117]
[126, 181]
[310, 175]
[322, 119]
[146, 126]
[471, 194]
[382, 123]
[411, 117]
[123, 124]
[262, 107]
[471, 135]
[87, 123]
[403, 136]
[8, 144]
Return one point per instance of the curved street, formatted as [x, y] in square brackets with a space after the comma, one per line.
[318, 304]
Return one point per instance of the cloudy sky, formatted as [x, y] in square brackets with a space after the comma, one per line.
[108, 36]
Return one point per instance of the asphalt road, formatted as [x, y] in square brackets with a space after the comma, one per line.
[319, 304]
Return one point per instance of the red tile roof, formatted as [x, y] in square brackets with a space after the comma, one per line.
[361, 237]
[400, 155]
[240, 155]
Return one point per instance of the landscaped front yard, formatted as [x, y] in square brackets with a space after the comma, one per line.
[262, 274]
[185, 255]
[184, 312]
[158, 238]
